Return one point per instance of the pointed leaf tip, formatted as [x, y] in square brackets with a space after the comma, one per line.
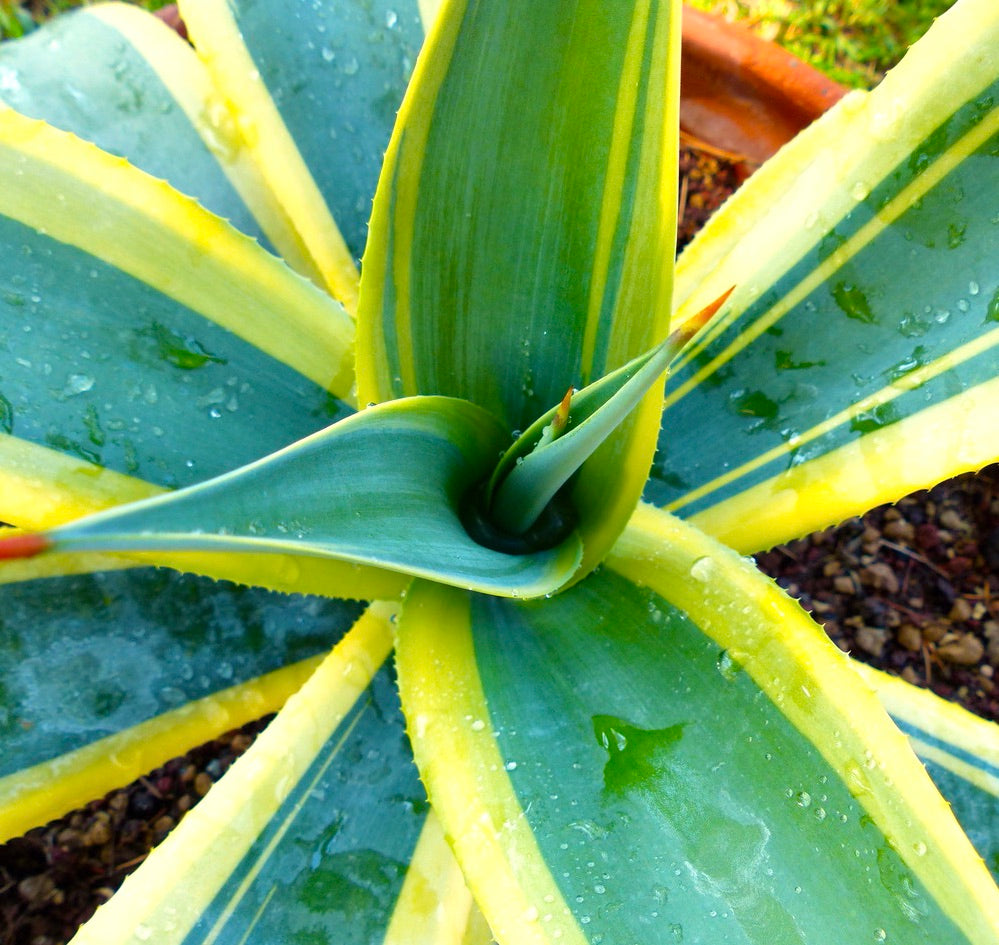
[683, 334]
[24, 546]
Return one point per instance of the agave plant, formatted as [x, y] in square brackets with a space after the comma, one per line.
[624, 731]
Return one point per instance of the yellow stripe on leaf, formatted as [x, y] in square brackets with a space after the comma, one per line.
[52, 788]
[182, 73]
[823, 273]
[911, 381]
[435, 906]
[950, 723]
[56, 183]
[41, 488]
[213, 27]
[815, 687]
[429, 11]
[776, 203]
[880, 467]
[181, 877]
[480, 814]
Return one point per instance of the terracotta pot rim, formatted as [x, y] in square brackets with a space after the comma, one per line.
[744, 94]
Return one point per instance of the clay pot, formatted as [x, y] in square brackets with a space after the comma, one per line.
[742, 94]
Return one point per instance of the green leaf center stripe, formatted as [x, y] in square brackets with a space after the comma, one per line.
[52, 181]
[395, 307]
[482, 817]
[385, 354]
[976, 138]
[912, 381]
[167, 897]
[815, 687]
[623, 163]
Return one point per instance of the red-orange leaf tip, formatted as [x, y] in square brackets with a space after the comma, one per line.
[24, 546]
[695, 323]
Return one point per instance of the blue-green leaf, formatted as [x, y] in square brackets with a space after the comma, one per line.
[149, 344]
[385, 487]
[859, 359]
[522, 235]
[103, 677]
[672, 751]
[320, 832]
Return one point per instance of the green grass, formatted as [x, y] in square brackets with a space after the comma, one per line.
[853, 41]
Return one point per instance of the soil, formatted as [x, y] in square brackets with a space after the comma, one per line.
[910, 588]
[53, 878]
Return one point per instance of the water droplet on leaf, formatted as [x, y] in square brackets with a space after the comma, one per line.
[702, 569]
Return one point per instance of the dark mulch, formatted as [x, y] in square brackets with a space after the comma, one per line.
[53, 878]
[910, 588]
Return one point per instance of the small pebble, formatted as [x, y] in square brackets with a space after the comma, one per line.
[910, 637]
[900, 531]
[70, 838]
[163, 826]
[934, 631]
[966, 650]
[961, 610]
[98, 833]
[118, 801]
[36, 890]
[880, 576]
[844, 585]
[872, 640]
[950, 519]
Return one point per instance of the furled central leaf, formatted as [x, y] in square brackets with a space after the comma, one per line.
[523, 227]
[383, 487]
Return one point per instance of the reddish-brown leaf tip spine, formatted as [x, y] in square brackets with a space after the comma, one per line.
[24, 546]
[695, 323]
